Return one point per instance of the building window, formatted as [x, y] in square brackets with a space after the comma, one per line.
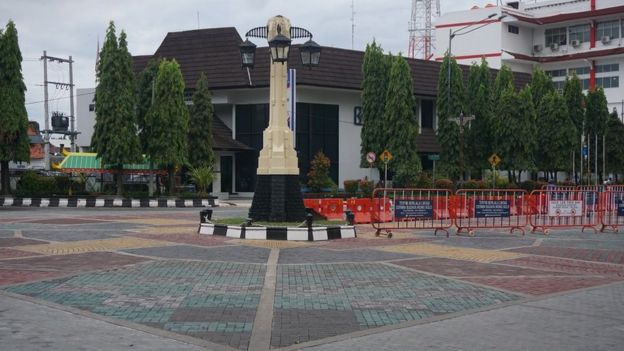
[426, 110]
[585, 83]
[91, 107]
[556, 73]
[358, 117]
[579, 71]
[559, 85]
[513, 29]
[608, 29]
[555, 36]
[612, 67]
[251, 120]
[317, 130]
[608, 82]
[580, 33]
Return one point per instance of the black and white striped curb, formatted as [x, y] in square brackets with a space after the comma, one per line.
[278, 233]
[95, 202]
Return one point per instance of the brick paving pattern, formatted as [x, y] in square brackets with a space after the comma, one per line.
[354, 243]
[487, 242]
[92, 246]
[456, 268]
[224, 253]
[541, 285]
[214, 301]
[13, 276]
[341, 298]
[466, 254]
[64, 221]
[567, 265]
[70, 235]
[607, 256]
[72, 263]
[10, 253]
[9, 242]
[603, 243]
[6, 233]
[191, 239]
[317, 255]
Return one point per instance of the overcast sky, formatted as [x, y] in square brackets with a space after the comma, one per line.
[72, 27]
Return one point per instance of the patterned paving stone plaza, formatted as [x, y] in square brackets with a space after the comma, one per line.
[151, 271]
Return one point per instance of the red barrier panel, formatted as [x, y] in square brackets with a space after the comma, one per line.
[419, 209]
[612, 209]
[361, 209]
[332, 208]
[490, 209]
[314, 204]
[564, 209]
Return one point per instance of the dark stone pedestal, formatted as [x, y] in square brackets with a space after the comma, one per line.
[277, 199]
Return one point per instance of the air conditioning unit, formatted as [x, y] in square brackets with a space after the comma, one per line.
[606, 39]
[576, 43]
[537, 48]
[554, 46]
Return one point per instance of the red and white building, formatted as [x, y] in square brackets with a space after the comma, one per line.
[561, 36]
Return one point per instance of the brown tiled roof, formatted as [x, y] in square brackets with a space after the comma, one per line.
[222, 137]
[140, 62]
[215, 51]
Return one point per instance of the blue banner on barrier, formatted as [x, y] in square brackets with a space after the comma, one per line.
[621, 208]
[413, 209]
[491, 208]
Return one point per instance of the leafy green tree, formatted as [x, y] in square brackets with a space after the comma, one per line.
[318, 177]
[14, 141]
[449, 105]
[541, 84]
[375, 75]
[615, 144]
[517, 131]
[573, 94]
[596, 117]
[556, 134]
[145, 96]
[401, 123]
[166, 123]
[200, 126]
[504, 79]
[480, 137]
[114, 138]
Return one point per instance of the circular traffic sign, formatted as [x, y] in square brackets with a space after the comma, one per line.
[370, 157]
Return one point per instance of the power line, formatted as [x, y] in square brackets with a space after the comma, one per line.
[61, 98]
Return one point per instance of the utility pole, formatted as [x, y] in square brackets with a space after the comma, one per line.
[72, 136]
[70, 86]
[46, 145]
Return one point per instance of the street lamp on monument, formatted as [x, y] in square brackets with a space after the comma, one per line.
[461, 120]
[277, 196]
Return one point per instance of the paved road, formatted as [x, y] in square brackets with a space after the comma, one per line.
[144, 279]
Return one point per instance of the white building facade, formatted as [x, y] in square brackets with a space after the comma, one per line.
[560, 36]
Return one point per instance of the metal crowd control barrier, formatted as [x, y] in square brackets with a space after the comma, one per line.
[558, 187]
[564, 208]
[615, 187]
[395, 209]
[490, 209]
[361, 209]
[612, 208]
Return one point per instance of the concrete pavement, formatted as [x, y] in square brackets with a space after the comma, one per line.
[144, 279]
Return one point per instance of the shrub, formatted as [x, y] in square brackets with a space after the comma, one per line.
[366, 187]
[424, 181]
[351, 187]
[512, 186]
[202, 177]
[471, 184]
[444, 183]
[566, 183]
[318, 177]
[529, 185]
[32, 184]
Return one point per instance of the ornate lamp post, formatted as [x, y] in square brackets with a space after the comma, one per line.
[278, 194]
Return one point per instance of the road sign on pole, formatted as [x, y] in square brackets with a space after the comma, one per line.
[370, 157]
[386, 156]
[494, 160]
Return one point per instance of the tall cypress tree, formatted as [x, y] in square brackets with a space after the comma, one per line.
[400, 120]
[145, 96]
[615, 144]
[115, 138]
[167, 120]
[449, 105]
[14, 141]
[375, 72]
[573, 94]
[556, 134]
[481, 134]
[201, 114]
[596, 119]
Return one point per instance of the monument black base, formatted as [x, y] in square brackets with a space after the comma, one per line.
[277, 199]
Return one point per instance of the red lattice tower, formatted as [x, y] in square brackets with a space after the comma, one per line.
[421, 37]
